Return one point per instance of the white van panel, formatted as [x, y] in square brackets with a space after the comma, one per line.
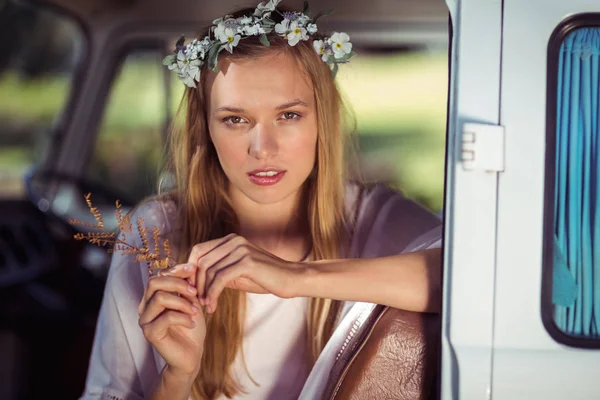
[493, 279]
[471, 207]
[528, 362]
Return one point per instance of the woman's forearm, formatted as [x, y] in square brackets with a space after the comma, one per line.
[410, 281]
[172, 386]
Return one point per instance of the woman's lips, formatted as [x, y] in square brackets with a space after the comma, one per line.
[265, 180]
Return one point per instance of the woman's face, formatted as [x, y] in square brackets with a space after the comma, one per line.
[263, 124]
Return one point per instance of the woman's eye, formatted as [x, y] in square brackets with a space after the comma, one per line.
[290, 115]
[233, 120]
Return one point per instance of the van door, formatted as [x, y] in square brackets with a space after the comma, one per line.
[522, 276]
[547, 297]
[471, 198]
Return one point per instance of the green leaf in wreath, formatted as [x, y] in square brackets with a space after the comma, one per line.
[264, 40]
[168, 60]
[213, 56]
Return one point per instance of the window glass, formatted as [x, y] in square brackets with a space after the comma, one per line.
[39, 51]
[128, 153]
[576, 217]
[398, 99]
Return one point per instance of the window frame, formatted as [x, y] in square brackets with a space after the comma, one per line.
[563, 29]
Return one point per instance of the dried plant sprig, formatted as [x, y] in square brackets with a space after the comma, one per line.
[103, 238]
[95, 212]
[123, 221]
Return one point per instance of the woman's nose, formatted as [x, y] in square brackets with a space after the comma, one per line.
[263, 142]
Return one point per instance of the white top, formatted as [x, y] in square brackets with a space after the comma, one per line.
[274, 347]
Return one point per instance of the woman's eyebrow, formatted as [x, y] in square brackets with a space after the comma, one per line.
[290, 104]
[283, 106]
[230, 109]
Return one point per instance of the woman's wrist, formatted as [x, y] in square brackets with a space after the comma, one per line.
[307, 275]
[173, 385]
[408, 281]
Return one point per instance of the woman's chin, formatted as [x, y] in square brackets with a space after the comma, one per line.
[274, 194]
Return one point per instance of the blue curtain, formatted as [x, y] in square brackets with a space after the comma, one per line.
[576, 280]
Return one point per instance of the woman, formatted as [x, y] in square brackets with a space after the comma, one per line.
[270, 238]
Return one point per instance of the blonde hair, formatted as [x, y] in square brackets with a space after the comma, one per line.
[206, 212]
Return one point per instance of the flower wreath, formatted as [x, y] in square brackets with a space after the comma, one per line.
[228, 31]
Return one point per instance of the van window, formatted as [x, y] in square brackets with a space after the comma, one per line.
[39, 53]
[130, 144]
[398, 100]
[573, 250]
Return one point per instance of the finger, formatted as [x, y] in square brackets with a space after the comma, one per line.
[219, 282]
[216, 257]
[162, 301]
[234, 257]
[227, 270]
[167, 284]
[159, 328]
[185, 271]
[202, 248]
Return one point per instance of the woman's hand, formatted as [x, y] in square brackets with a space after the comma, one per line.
[172, 320]
[235, 263]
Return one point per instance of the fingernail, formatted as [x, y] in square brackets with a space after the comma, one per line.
[187, 267]
[195, 309]
[191, 289]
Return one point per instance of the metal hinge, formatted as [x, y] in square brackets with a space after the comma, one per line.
[482, 147]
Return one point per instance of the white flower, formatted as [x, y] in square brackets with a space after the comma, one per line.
[303, 18]
[187, 80]
[194, 44]
[185, 63]
[187, 68]
[194, 73]
[296, 33]
[204, 47]
[219, 31]
[340, 43]
[319, 47]
[228, 37]
[283, 27]
[245, 20]
[200, 47]
[312, 28]
[251, 30]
